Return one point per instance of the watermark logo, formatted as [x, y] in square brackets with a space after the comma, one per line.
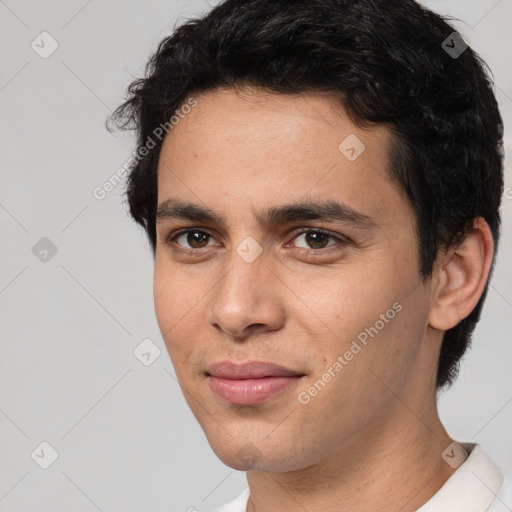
[249, 249]
[44, 250]
[147, 352]
[249, 455]
[44, 45]
[454, 45]
[352, 147]
[454, 455]
[44, 455]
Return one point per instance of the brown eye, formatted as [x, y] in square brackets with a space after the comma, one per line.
[193, 237]
[316, 239]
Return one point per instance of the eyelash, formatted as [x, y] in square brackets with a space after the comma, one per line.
[170, 239]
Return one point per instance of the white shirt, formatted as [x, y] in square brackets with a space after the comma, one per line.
[477, 485]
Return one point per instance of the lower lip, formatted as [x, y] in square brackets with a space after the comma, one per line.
[250, 391]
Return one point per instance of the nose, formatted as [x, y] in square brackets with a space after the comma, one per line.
[248, 299]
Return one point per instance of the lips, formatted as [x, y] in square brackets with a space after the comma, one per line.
[249, 370]
[250, 383]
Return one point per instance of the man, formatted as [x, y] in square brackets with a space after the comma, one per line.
[320, 181]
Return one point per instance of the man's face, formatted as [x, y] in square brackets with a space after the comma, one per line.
[250, 291]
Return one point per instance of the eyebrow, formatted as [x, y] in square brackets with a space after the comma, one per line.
[300, 211]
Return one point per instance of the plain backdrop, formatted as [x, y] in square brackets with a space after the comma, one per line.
[76, 275]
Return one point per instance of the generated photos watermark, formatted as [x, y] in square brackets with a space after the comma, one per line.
[100, 192]
[306, 396]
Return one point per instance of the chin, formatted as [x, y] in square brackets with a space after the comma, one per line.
[246, 456]
[239, 454]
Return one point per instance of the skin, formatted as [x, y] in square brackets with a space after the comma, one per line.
[371, 439]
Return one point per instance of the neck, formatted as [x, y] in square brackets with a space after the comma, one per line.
[381, 470]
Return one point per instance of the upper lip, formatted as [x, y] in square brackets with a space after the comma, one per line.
[249, 370]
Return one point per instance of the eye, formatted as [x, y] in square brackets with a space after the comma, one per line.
[316, 238]
[194, 237]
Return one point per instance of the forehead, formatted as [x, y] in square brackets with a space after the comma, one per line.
[241, 148]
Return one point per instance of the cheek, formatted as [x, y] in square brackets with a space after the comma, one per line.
[344, 301]
[176, 302]
[367, 316]
[175, 293]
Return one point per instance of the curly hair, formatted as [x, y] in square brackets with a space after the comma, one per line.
[387, 62]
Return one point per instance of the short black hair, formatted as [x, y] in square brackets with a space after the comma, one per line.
[389, 62]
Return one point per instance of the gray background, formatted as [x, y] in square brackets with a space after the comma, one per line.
[125, 437]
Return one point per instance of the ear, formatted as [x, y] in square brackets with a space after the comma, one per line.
[462, 274]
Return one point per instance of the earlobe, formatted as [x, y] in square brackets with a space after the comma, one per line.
[462, 276]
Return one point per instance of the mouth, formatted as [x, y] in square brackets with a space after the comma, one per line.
[250, 383]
